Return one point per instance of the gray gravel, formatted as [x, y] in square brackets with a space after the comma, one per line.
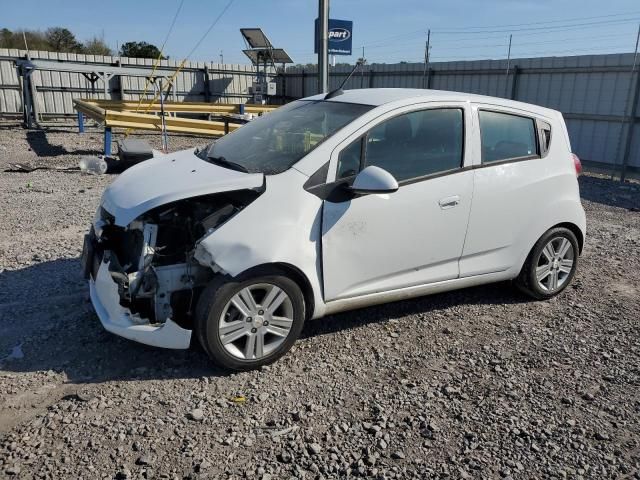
[479, 383]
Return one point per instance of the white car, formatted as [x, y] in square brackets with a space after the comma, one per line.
[331, 204]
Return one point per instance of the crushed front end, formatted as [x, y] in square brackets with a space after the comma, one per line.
[144, 280]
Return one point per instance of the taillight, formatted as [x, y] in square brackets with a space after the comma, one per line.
[577, 163]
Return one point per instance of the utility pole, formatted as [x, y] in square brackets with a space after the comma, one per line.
[506, 77]
[323, 48]
[426, 59]
[632, 115]
[362, 70]
[221, 57]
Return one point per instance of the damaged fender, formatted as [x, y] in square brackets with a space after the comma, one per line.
[291, 237]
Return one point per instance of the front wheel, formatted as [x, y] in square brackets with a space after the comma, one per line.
[250, 321]
[551, 265]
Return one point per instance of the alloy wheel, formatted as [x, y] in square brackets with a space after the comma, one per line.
[555, 264]
[256, 321]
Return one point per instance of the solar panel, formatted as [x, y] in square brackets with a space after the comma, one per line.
[269, 55]
[256, 38]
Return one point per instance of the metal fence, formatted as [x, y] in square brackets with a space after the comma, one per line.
[597, 94]
[66, 76]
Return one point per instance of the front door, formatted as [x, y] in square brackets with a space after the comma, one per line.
[414, 236]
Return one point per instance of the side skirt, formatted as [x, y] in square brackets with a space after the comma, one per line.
[370, 299]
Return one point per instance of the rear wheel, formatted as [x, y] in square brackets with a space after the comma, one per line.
[551, 265]
[250, 321]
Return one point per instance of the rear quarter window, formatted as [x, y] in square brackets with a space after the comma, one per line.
[506, 136]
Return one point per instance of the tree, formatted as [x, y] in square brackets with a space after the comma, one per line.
[140, 50]
[35, 40]
[62, 40]
[96, 46]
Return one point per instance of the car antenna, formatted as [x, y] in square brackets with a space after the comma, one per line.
[339, 91]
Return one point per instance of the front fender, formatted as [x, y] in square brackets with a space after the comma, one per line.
[282, 226]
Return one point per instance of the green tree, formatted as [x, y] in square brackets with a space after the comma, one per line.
[35, 40]
[62, 40]
[140, 50]
[96, 46]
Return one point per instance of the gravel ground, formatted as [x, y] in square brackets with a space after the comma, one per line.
[479, 383]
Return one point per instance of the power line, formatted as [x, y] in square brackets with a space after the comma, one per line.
[173, 22]
[579, 19]
[569, 26]
[213, 24]
[571, 22]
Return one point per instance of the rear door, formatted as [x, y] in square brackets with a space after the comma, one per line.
[414, 236]
[512, 178]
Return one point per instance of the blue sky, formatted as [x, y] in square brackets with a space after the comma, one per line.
[391, 31]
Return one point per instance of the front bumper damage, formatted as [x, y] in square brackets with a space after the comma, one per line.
[145, 278]
[111, 288]
[119, 320]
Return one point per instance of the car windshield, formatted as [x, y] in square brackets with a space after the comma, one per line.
[273, 143]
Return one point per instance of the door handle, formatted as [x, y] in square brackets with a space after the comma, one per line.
[449, 202]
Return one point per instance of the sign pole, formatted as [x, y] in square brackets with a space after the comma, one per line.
[323, 48]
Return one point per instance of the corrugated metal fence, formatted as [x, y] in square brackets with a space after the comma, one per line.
[594, 92]
[54, 90]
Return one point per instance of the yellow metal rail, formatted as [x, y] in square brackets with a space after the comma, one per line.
[182, 107]
[123, 114]
[103, 112]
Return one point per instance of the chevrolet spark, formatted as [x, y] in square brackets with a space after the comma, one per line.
[331, 204]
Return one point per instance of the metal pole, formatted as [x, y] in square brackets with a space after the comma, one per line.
[80, 122]
[426, 58]
[323, 48]
[632, 115]
[107, 141]
[362, 71]
[506, 77]
[164, 126]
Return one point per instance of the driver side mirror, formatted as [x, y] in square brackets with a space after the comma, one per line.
[374, 179]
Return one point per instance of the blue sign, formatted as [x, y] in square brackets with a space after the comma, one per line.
[340, 32]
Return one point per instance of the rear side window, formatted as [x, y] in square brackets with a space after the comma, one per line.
[506, 137]
[417, 144]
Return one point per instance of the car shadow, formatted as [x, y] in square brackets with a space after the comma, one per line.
[40, 145]
[610, 192]
[501, 293]
[47, 323]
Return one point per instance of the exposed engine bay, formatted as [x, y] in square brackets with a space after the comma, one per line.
[152, 259]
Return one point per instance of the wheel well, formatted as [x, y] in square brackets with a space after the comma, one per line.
[297, 276]
[576, 231]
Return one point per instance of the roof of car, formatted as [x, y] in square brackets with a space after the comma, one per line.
[381, 96]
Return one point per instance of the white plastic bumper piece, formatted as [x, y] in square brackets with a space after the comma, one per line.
[119, 320]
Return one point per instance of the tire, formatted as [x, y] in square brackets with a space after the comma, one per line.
[534, 279]
[224, 312]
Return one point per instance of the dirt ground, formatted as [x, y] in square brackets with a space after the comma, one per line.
[478, 383]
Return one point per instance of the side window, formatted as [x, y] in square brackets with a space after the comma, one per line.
[349, 160]
[418, 143]
[545, 137]
[506, 136]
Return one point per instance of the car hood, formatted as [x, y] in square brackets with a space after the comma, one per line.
[167, 178]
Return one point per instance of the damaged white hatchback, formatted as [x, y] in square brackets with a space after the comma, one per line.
[330, 204]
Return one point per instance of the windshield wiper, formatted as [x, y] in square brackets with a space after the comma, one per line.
[223, 162]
